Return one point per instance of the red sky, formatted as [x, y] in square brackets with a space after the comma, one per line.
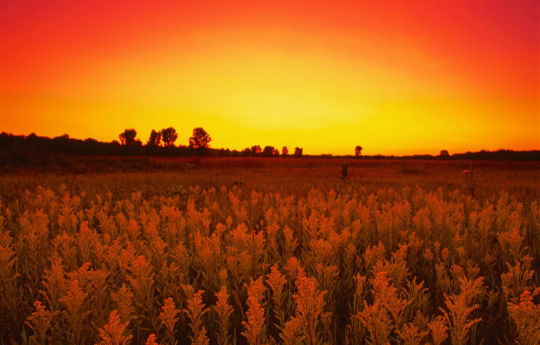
[393, 76]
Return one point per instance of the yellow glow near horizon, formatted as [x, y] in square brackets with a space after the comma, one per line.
[302, 81]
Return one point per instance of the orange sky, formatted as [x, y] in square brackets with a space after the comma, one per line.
[396, 77]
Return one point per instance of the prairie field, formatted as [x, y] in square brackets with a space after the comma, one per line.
[272, 251]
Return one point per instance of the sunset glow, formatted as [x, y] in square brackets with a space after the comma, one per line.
[397, 77]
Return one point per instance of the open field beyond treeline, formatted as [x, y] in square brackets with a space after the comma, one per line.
[102, 250]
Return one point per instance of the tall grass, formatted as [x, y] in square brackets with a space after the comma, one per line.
[133, 259]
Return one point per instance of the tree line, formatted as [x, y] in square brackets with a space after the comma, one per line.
[166, 137]
[200, 141]
[163, 143]
[159, 143]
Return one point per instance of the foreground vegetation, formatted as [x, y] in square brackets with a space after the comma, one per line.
[296, 254]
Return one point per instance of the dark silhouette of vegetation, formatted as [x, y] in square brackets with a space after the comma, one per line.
[169, 136]
[344, 172]
[199, 139]
[358, 150]
[284, 151]
[154, 140]
[255, 150]
[270, 151]
[128, 137]
[44, 153]
[502, 155]
[444, 154]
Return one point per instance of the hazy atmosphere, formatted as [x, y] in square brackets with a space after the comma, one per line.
[269, 172]
[396, 77]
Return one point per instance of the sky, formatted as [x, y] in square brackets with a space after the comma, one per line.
[396, 77]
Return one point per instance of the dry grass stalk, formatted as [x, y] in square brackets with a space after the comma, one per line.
[151, 340]
[195, 311]
[439, 330]
[411, 335]
[223, 310]
[276, 281]
[254, 326]
[459, 309]
[168, 317]
[74, 302]
[40, 322]
[309, 307]
[526, 316]
[114, 332]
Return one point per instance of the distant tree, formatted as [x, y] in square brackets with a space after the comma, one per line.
[268, 151]
[256, 150]
[444, 154]
[358, 150]
[276, 152]
[154, 140]
[298, 151]
[284, 151]
[200, 139]
[127, 137]
[168, 136]
[246, 152]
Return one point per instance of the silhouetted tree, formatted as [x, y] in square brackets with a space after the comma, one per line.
[298, 151]
[246, 152]
[358, 150]
[269, 151]
[154, 140]
[284, 151]
[444, 154]
[127, 137]
[21, 150]
[256, 150]
[169, 136]
[199, 139]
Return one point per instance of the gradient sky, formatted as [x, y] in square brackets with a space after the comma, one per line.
[396, 77]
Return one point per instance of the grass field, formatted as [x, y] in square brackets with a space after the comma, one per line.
[271, 251]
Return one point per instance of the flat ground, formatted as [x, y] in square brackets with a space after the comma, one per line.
[284, 175]
[395, 249]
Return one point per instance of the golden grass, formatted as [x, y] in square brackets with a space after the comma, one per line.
[275, 255]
